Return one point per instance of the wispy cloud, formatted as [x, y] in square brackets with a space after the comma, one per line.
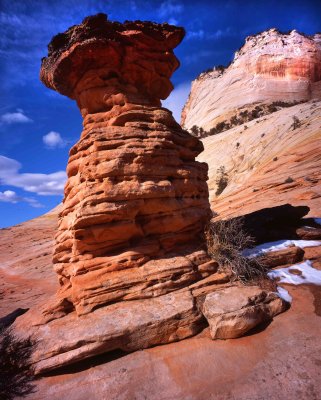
[9, 196]
[42, 184]
[17, 117]
[53, 140]
[195, 34]
[175, 102]
[169, 7]
[200, 34]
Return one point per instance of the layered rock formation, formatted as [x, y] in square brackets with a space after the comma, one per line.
[136, 201]
[270, 67]
[267, 162]
[135, 205]
[27, 278]
[194, 368]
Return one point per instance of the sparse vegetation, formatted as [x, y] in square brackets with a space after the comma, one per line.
[225, 242]
[221, 180]
[16, 374]
[289, 180]
[296, 123]
[244, 116]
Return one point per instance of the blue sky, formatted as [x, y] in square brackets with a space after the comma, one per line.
[38, 126]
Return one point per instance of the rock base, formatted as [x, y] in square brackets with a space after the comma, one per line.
[234, 311]
[231, 311]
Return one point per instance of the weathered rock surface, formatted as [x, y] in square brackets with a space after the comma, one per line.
[271, 66]
[234, 311]
[280, 362]
[309, 232]
[27, 278]
[136, 201]
[123, 326]
[195, 368]
[268, 163]
[269, 145]
[288, 256]
[135, 205]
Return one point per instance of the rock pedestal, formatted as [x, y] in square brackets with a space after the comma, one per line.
[135, 205]
[136, 201]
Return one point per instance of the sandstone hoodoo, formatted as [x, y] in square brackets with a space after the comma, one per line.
[130, 251]
[135, 198]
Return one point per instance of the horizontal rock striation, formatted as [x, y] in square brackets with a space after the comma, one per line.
[268, 163]
[136, 201]
[135, 206]
[270, 67]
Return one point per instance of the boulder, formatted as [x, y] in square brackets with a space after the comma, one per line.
[309, 233]
[289, 255]
[234, 311]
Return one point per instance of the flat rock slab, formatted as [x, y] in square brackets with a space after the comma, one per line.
[279, 363]
[127, 326]
[289, 255]
[233, 311]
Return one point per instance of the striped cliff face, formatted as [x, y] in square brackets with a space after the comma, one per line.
[270, 67]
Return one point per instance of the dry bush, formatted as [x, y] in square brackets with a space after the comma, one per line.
[221, 180]
[225, 242]
[16, 374]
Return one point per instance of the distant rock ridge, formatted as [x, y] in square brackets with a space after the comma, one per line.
[271, 66]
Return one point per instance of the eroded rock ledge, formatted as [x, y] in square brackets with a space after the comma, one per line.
[135, 204]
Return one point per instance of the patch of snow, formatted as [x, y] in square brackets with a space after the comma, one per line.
[289, 274]
[317, 220]
[284, 294]
[278, 245]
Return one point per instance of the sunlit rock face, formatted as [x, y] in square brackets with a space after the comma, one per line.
[270, 67]
[136, 201]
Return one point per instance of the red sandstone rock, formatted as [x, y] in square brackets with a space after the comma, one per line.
[136, 201]
[290, 255]
[233, 311]
[135, 205]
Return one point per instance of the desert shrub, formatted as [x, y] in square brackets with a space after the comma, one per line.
[194, 130]
[16, 373]
[289, 180]
[222, 126]
[225, 241]
[221, 180]
[296, 123]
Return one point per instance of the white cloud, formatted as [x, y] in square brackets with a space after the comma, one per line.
[173, 21]
[201, 34]
[42, 184]
[195, 34]
[177, 99]
[10, 196]
[15, 118]
[169, 7]
[53, 140]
